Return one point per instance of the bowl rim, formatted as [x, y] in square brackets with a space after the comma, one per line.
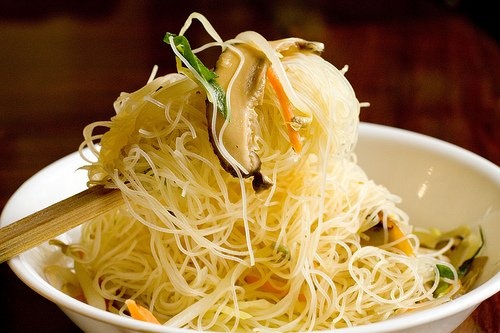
[438, 146]
[366, 130]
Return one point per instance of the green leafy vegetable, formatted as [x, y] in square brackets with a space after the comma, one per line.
[445, 271]
[182, 44]
[206, 77]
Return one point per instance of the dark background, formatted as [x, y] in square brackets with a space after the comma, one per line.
[427, 66]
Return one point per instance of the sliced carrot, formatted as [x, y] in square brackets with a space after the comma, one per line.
[395, 233]
[286, 110]
[140, 313]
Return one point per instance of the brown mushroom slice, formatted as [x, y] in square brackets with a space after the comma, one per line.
[246, 93]
[292, 45]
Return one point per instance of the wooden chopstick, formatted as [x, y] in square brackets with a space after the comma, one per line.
[56, 219]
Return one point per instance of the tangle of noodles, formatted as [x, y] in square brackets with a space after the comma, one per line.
[202, 250]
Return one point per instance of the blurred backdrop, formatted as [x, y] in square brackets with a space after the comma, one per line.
[427, 66]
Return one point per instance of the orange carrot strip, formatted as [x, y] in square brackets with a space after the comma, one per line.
[140, 313]
[286, 110]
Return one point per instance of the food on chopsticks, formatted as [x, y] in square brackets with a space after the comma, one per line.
[309, 243]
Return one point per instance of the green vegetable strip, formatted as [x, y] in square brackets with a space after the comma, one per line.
[208, 77]
[466, 265]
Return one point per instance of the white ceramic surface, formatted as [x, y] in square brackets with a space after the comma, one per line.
[441, 185]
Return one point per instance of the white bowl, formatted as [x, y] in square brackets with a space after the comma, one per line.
[442, 185]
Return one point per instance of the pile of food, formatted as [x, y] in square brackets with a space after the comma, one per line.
[244, 207]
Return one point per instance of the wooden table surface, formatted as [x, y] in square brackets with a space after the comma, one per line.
[426, 66]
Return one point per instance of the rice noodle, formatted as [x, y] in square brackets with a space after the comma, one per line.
[190, 235]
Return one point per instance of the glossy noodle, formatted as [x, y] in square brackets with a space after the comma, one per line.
[201, 249]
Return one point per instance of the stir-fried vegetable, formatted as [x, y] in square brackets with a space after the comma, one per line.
[463, 254]
[464, 248]
[467, 264]
[376, 237]
[286, 110]
[65, 280]
[395, 234]
[443, 287]
[206, 77]
[92, 296]
[139, 312]
[474, 272]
